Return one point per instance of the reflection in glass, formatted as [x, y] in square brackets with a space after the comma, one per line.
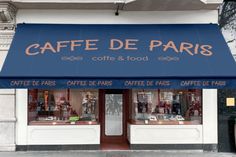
[167, 106]
[62, 106]
[113, 114]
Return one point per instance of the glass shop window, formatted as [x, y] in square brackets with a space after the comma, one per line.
[62, 106]
[167, 107]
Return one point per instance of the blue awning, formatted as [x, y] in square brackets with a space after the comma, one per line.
[192, 52]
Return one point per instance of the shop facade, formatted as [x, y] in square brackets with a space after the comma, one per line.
[139, 130]
[113, 92]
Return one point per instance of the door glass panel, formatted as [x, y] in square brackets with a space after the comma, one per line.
[113, 114]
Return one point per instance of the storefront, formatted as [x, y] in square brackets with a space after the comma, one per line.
[138, 86]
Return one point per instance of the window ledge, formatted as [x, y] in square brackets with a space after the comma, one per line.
[163, 122]
[63, 123]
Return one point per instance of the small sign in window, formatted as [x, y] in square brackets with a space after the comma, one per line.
[230, 101]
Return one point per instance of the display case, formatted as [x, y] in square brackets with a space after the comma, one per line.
[62, 107]
[166, 107]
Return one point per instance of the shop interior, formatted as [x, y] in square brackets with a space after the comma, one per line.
[77, 106]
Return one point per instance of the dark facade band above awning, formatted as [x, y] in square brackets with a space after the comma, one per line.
[119, 53]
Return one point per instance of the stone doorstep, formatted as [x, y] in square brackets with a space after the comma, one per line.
[7, 147]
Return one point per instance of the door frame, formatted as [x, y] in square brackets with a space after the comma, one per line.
[103, 137]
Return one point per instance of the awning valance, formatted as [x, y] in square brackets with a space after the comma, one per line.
[117, 52]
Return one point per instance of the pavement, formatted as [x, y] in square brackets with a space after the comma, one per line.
[115, 154]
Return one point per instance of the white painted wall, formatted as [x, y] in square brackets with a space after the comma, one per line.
[210, 118]
[212, 1]
[108, 17]
[7, 119]
[166, 134]
[7, 91]
[5, 42]
[3, 55]
[21, 114]
[64, 135]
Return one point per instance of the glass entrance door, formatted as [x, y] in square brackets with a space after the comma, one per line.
[113, 115]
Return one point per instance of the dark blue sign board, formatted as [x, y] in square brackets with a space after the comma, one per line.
[118, 83]
[118, 53]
